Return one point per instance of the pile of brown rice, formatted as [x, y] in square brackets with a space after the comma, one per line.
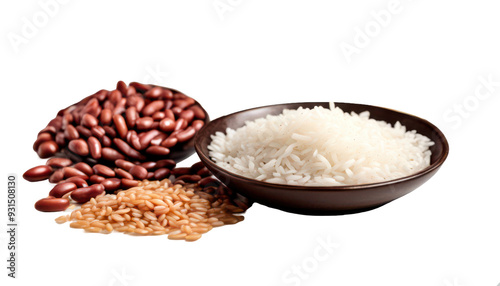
[155, 208]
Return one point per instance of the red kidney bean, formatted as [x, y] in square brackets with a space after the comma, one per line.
[197, 124]
[98, 131]
[180, 124]
[127, 150]
[208, 181]
[60, 139]
[47, 149]
[73, 172]
[121, 125]
[180, 171]
[177, 111]
[78, 181]
[127, 184]
[79, 147]
[84, 132]
[83, 195]
[38, 173]
[196, 167]
[59, 162]
[115, 96]
[126, 165]
[42, 137]
[57, 176]
[56, 122]
[104, 171]
[179, 95]
[49, 129]
[158, 150]
[165, 163]
[158, 139]
[146, 137]
[131, 90]
[92, 108]
[122, 87]
[137, 102]
[109, 105]
[188, 115]
[120, 106]
[152, 107]
[110, 132]
[101, 95]
[95, 147]
[161, 173]
[111, 184]
[169, 114]
[158, 115]
[169, 142]
[67, 120]
[111, 154]
[154, 93]
[204, 172]
[71, 133]
[189, 178]
[150, 175]
[183, 103]
[96, 179]
[62, 188]
[185, 135]
[89, 121]
[144, 123]
[198, 112]
[84, 167]
[106, 141]
[106, 116]
[52, 204]
[168, 94]
[140, 86]
[167, 125]
[131, 116]
[123, 174]
[149, 165]
[139, 172]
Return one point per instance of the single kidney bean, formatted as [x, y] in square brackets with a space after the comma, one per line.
[104, 171]
[204, 172]
[167, 124]
[150, 175]
[98, 131]
[154, 93]
[84, 132]
[180, 124]
[165, 163]
[180, 171]
[83, 195]
[96, 179]
[146, 137]
[48, 129]
[197, 124]
[60, 139]
[198, 112]
[122, 87]
[183, 103]
[84, 167]
[105, 141]
[127, 184]
[89, 120]
[123, 174]
[62, 188]
[139, 172]
[188, 115]
[177, 111]
[158, 115]
[111, 184]
[71, 133]
[158, 150]
[95, 147]
[115, 96]
[111, 154]
[140, 86]
[73, 172]
[59, 162]
[57, 176]
[144, 123]
[126, 165]
[42, 137]
[47, 149]
[158, 139]
[131, 116]
[152, 107]
[189, 178]
[169, 114]
[161, 173]
[121, 125]
[149, 165]
[169, 142]
[52, 204]
[106, 116]
[56, 122]
[79, 147]
[38, 173]
[79, 182]
[127, 150]
[185, 135]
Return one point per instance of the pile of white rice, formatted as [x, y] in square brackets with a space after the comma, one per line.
[321, 147]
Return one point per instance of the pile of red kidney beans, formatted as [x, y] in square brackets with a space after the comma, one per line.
[113, 139]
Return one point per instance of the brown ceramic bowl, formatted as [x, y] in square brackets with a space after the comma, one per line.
[327, 200]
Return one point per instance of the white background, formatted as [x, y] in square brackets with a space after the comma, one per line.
[426, 59]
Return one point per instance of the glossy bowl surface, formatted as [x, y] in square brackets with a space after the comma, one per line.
[324, 200]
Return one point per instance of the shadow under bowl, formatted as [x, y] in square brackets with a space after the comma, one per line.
[323, 200]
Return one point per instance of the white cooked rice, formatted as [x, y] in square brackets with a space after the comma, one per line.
[321, 147]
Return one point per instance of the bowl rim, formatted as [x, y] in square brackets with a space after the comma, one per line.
[420, 173]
